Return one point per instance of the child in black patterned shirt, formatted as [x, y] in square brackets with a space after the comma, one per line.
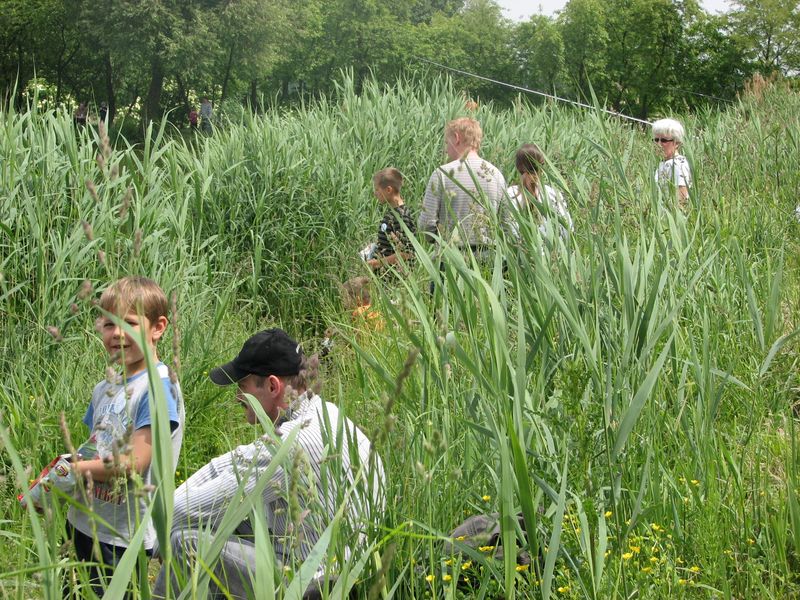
[392, 240]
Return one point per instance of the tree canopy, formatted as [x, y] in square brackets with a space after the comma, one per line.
[147, 57]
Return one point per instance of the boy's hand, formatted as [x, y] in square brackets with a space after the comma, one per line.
[58, 474]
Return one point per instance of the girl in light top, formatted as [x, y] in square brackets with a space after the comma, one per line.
[674, 168]
[545, 204]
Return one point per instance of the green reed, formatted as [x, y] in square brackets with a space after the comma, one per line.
[628, 391]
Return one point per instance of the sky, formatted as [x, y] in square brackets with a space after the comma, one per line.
[520, 10]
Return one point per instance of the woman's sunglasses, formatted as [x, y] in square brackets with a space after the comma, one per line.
[662, 140]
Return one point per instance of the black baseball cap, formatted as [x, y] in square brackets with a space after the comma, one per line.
[269, 352]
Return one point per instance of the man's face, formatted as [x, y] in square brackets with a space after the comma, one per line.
[268, 393]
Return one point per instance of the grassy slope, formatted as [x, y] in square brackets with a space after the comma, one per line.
[640, 376]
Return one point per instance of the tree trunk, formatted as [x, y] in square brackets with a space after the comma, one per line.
[110, 96]
[152, 102]
[254, 105]
[227, 76]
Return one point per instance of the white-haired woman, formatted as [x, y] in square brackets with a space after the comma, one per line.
[674, 169]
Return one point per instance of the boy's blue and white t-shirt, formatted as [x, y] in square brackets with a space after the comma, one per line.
[117, 410]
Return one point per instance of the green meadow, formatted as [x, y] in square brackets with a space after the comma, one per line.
[631, 392]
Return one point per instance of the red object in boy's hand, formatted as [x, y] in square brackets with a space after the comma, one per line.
[57, 474]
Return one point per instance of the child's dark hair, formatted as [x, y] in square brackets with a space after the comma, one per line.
[529, 159]
[388, 177]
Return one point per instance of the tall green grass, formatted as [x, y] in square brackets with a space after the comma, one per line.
[628, 391]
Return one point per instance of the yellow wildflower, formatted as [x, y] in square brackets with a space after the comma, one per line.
[430, 578]
[486, 498]
[636, 549]
[563, 589]
[695, 482]
[521, 568]
[460, 538]
[647, 569]
[608, 514]
[683, 581]
[627, 555]
[466, 565]
[694, 569]
[486, 548]
[655, 527]
[751, 541]
[447, 577]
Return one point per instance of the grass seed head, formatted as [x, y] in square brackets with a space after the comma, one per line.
[92, 190]
[85, 290]
[87, 230]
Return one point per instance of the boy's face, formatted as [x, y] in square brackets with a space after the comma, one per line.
[383, 194]
[121, 348]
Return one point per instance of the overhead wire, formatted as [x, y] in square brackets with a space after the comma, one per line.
[530, 91]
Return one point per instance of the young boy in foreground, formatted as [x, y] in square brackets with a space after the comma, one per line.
[392, 240]
[120, 445]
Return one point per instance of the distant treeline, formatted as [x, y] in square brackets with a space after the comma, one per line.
[145, 57]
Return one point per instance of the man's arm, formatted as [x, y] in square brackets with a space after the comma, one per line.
[204, 497]
[385, 261]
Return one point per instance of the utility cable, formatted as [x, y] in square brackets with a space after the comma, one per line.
[530, 91]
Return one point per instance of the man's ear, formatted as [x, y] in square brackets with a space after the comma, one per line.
[275, 385]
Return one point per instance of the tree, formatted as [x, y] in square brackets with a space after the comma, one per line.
[250, 36]
[714, 61]
[643, 52]
[540, 53]
[478, 39]
[583, 30]
[770, 31]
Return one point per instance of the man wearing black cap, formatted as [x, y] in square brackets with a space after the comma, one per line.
[329, 456]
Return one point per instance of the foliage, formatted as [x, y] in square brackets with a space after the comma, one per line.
[161, 56]
[628, 389]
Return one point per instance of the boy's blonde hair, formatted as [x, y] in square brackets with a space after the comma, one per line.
[388, 177]
[468, 129]
[135, 293]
